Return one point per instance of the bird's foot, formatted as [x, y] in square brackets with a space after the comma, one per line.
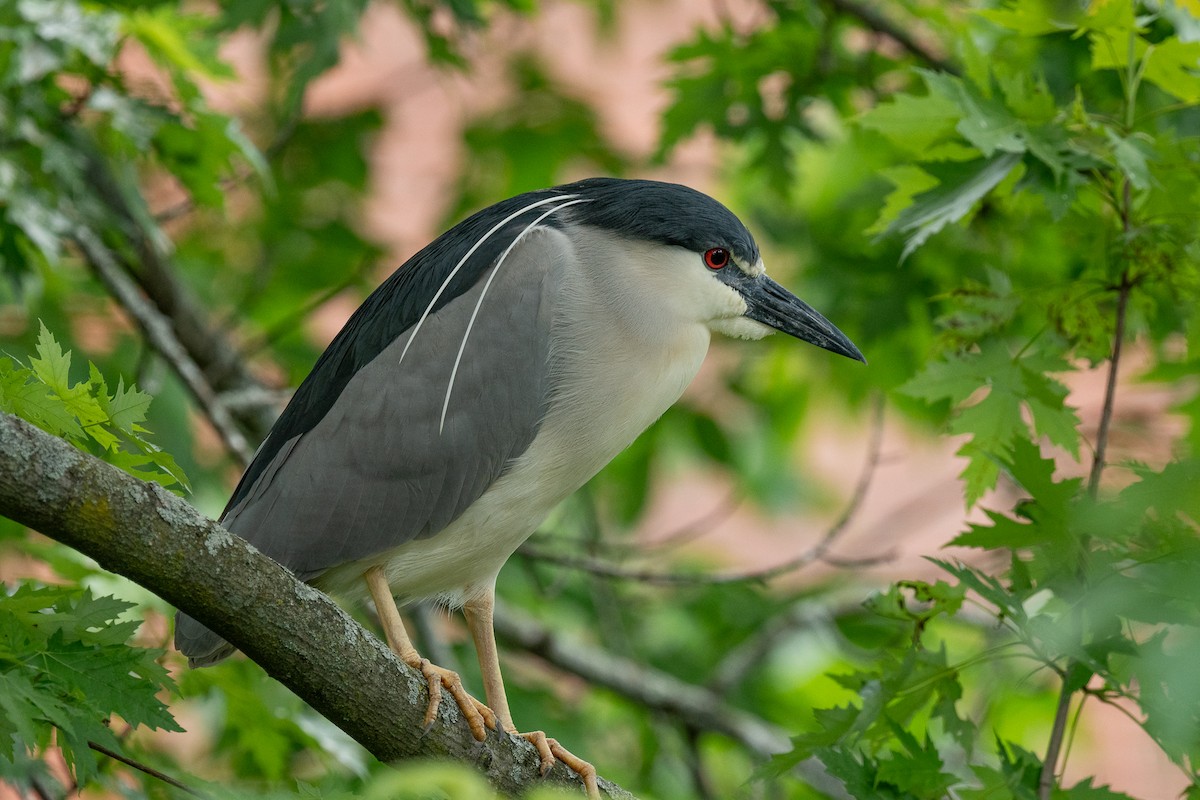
[476, 713]
[550, 751]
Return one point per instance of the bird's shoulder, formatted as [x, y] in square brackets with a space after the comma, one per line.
[436, 275]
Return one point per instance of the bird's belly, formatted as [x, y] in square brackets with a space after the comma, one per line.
[581, 433]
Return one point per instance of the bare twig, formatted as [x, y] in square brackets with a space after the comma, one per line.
[748, 655]
[1110, 387]
[818, 552]
[291, 321]
[690, 704]
[254, 397]
[151, 771]
[1057, 731]
[877, 22]
[1124, 288]
[142, 257]
[158, 331]
[700, 777]
[39, 791]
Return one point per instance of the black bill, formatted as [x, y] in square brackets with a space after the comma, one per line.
[773, 305]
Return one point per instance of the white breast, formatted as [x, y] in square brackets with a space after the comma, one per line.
[620, 357]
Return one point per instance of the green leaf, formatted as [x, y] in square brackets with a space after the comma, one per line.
[1171, 65]
[52, 366]
[948, 379]
[65, 665]
[114, 677]
[960, 187]
[1034, 17]
[1003, 532]
[176, 41]
[1169, 492]
[917, 769]
[911, 122]
[1132, 154]
[126, 408]
[45, 396]
[1084, 790]
[985, 122]
[908, 181]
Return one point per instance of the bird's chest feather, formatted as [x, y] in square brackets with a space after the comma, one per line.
[611, 372]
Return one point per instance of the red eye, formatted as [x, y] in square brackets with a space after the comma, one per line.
[716, 258]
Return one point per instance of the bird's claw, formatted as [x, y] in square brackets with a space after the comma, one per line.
[479, 717]
[550, 751]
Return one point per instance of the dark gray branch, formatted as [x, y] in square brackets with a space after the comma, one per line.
[143, 258]
[294, 632]
[159, 333]
[690, 704]
[876, 21]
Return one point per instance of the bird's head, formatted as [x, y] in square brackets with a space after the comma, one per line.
[700, 255]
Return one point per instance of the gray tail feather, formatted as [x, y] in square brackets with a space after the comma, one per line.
[202, 647]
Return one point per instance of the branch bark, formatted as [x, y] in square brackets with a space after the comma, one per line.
[299, 636]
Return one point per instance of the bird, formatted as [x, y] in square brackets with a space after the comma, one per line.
[481, 384]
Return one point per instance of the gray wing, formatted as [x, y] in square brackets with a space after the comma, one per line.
[380, 469]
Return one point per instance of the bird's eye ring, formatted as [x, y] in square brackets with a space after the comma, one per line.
[716, 258]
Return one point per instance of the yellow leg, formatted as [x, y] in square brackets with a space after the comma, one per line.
[479, 615]
[476, 713]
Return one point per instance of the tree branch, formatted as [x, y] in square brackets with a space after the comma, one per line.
[221, 364]
[877, 22]
[158, 332]
[693, 706]
[1110, 387]
[294, 632]
[1058, 729]
[151, 771]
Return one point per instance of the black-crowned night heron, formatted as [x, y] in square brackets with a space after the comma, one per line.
[485, 381]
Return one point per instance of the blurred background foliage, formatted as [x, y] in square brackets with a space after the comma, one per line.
[987, 197]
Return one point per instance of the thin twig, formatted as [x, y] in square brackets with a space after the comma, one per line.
[1110, 387]
[693, 530]
[290, 322]
[40, 791]
[880, 24]
[1057, 731]
[612, 549]
[687, 703]
[818, 552]
[701, 781]
[151, 771]
[143, 257]
[1124, 288]
[748, 655]
[158, 331]
[254, 397]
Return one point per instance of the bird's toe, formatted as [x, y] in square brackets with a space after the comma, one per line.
[479, 717]
[550, 751]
